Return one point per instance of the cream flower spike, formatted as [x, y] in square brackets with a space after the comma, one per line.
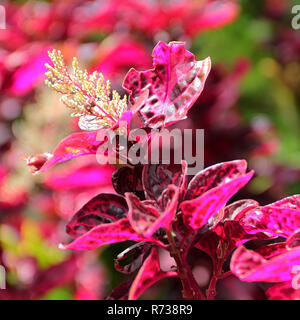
[88, 95]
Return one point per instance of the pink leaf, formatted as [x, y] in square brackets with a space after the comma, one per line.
[106, 233]
[275, 220]
[214, 176]
[294, 240]
[146, 219]
[174, 83]
[141, 216]
[120, 292]
[157, 177]
[75, 145]
[208, 243]
[102, 209]
[233, 212]
[292, 202]
[198, 211]
[272, 250]
[250, 266]
[81, 176]
[126, 179]
[149, 274]
[238, 209]
[283, 291]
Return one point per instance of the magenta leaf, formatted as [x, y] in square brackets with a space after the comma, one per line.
[283, 291]
[148, 274]
[174, 83]
[157, 177]
[132, 258]
[104, 208]
[126, 179]
[232, 233]
[79, 176]
[272, 250]
[118, 231]
[238, 209]
[231, 214]
[141, 216]
[198, 211]
[293, 241]
[146, 218]
[120, 292]
[274, 220]
[214, 176]
[208, 243]
[250, 266]
[292, 202]
[75, 145]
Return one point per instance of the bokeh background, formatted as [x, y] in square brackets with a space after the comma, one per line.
[249, 109]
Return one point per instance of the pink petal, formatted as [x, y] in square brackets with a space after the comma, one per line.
[198, 211]
[174, 83]
[250, 266]
[149, 274]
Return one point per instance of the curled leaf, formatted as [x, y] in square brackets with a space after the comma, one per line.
[157, 177]
[174, 83]
[137, 255]
[146, 218]
[126, 179]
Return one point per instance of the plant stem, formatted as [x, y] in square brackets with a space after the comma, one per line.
[190, 288]
[217, 271]
[211, 291]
